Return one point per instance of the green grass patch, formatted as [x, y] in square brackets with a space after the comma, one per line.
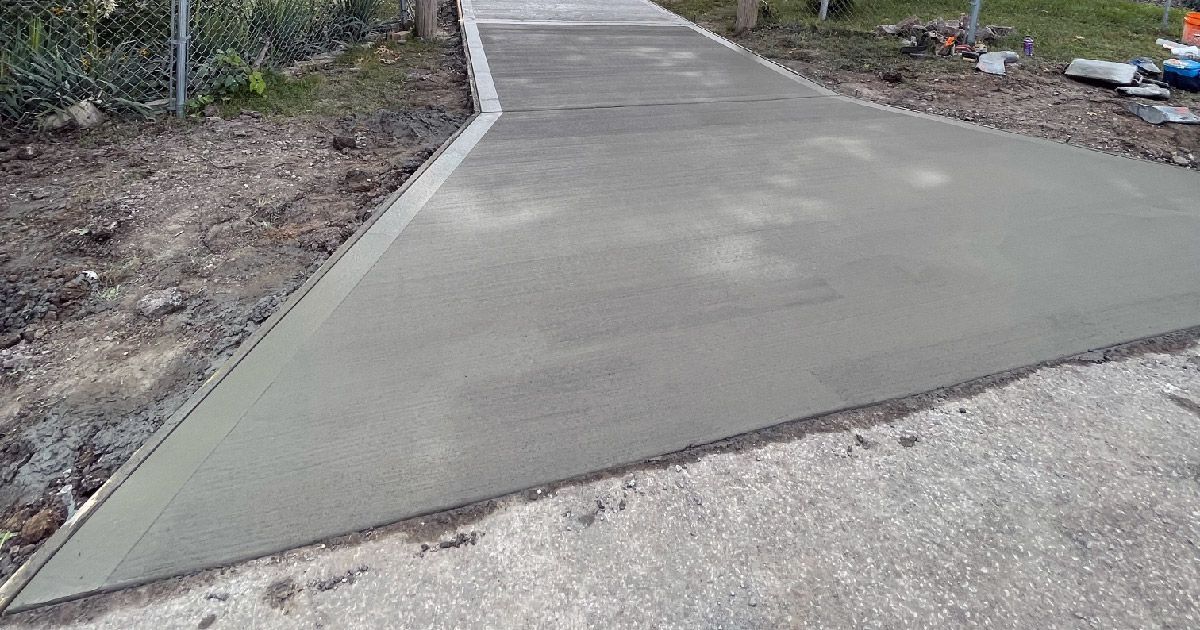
[361, 80]
[1116, 30]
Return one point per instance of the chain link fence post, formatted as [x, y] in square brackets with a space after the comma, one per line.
[182, 29]
[973, 25]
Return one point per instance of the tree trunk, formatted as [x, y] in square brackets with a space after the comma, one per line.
[747, 17]
[824, 12]
[426, 25]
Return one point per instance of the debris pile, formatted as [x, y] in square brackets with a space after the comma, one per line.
[1142, 78]
[946, 39]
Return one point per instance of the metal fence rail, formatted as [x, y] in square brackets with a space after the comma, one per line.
[140, 56]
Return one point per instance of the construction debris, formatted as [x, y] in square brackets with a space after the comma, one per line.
[1148, 90]
[1182, 73]
[1179, 51]
[1108, 72]
[1145, 65]
[994, 62]
[1159, 114]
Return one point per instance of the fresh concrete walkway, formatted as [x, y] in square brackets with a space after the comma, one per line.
[660, 242]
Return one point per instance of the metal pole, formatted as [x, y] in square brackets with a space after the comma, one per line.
[182, 34]
[975, 5]
[1167, 15]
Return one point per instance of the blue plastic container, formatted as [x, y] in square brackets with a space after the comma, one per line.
[1182, 73]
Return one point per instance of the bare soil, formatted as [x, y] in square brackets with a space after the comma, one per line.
[1033, 98]
[229, 214]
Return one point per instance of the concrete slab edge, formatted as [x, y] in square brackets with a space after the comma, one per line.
[417, 189]
[487, 100]
[510, 22]
[734, 46]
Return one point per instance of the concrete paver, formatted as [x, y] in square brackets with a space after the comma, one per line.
[606, 280]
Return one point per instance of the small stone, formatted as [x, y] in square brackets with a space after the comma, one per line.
[1181, 160]
[28, 152]
[207, 621]
[345, 142]
[909, 441]
[156, 304]
[9, 340]
[40, 526]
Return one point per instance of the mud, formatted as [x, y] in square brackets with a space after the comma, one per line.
[232, 213]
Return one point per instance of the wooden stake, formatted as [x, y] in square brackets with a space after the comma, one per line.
[426, 22]
[747, 17]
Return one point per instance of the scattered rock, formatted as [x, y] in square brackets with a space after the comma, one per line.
[217, 596]
[280, 592]
[84, 115]
[40, 526]
[207, 621]
[264, 308]
[28, 152]
[862, 441]
[909, 441]
[359, 180]
[1181, 159]
[156, 304]
[329, 584]
[460, 539]
[342, 143]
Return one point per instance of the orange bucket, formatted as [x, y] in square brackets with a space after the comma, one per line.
[1191, 28]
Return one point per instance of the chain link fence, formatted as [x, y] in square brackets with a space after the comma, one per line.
[138, 57]
[55, 53]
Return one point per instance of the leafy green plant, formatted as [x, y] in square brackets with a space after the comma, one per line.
[228, 76]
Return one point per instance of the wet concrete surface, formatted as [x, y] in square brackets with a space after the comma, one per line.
[586, 288]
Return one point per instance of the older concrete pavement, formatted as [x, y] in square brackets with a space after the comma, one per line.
[660, 242]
